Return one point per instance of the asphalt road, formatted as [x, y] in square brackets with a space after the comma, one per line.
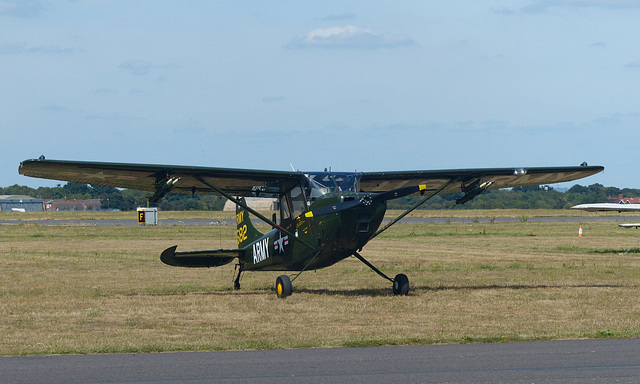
[578, 361]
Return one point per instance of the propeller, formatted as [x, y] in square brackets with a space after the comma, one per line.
[367, 200]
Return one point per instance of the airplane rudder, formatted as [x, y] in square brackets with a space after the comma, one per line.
[247, 233]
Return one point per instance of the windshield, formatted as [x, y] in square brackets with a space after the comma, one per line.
[321, 183]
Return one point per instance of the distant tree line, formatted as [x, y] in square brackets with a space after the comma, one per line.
[117, 199]
[534, 197]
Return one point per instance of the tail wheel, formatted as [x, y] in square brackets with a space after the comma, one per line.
[401, 285]
[284, 287]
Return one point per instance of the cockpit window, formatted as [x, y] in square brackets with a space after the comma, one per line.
[297, 200]
[321, 183]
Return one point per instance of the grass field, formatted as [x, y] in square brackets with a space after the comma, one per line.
[96, 289]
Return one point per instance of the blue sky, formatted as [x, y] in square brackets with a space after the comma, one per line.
[359, 85]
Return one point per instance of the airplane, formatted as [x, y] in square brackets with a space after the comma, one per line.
[324, 217]
[611, 207]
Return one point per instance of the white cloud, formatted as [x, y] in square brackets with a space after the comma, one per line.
[137, 67]
[348, 37]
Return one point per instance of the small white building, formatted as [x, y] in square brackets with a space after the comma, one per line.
[20, 203]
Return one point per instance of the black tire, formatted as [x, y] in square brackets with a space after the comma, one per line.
[284, 288]
[401, 285]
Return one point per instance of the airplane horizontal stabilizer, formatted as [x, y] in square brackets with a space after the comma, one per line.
[199, 259]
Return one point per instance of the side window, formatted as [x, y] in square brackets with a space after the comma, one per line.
[285, 213]
[292, 205]
[298, 202]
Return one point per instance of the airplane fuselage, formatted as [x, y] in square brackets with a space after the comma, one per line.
[321, 241]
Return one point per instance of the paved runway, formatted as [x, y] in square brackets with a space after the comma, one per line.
[578, 361]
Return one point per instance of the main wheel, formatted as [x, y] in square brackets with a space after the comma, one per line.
[401, 285]
[284, 287]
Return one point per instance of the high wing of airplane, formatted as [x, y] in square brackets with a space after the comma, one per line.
[611, 207]
[325, 216]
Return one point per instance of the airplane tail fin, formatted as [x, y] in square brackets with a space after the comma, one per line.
[247, 233]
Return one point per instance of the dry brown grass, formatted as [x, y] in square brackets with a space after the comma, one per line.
[86, 289]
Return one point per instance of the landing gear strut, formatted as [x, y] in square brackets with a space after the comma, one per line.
[236, 282]
[400, 282]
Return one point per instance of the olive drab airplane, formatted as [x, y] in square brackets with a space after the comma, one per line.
[324, 217]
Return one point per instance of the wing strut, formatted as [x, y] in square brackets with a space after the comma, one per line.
[252, 211]
[416, 205]
[305, 267]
